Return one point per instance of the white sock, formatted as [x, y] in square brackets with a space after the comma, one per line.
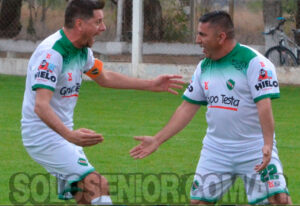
[102, 200]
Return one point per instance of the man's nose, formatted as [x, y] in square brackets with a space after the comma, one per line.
[102, 27]
[198, 39]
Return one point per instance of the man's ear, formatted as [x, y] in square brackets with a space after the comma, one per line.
[78, 24]
[222, 37]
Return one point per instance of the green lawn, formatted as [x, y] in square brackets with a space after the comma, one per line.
[164, 177]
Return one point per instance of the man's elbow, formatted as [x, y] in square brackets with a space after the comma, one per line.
[38, 108]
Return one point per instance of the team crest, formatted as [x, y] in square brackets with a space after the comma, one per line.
[82, 162]
[230, 84]
[195, 185]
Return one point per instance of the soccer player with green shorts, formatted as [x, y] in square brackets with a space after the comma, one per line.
[237, 84]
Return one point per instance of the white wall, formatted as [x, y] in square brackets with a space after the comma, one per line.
[14, 66]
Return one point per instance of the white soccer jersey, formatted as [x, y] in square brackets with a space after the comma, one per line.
[230, 87]
[58, 66]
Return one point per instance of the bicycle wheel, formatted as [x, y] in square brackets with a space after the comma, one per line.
[281, 56]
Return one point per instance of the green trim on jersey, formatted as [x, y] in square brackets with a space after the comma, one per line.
[36, 86]
[70, 53]
[238, 59]
[268, 195]
[271, 96]
[193, 101]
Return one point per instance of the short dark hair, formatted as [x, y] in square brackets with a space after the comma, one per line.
[81, 9]
[221, 19]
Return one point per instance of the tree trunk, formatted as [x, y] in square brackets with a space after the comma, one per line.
[297, 17]
[10, 14]
[271, 10]
[231, 8]
[152, 20]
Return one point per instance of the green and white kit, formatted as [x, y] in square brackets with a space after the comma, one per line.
[231, 87]
[58, 66]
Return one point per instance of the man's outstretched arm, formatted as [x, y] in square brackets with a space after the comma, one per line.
[180, 119]
[110, 79]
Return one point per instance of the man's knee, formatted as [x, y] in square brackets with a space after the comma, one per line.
[93, 186]
[199, 202]
[96, 182]
[280, 199]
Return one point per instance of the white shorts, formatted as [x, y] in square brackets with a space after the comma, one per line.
[67, 162]
[217, 171]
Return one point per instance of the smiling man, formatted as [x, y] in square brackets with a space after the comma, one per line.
[236, 83]
[53, 81]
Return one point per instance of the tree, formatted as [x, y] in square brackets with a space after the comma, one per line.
[10, 15]
[271, 10]
[152, 20]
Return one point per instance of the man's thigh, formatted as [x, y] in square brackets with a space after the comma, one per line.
[67, 162]
[267, 183]
[213, 176]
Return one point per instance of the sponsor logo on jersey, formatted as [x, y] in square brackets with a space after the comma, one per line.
[48, 56]
[223, 102]
[45, 72]
[46, 66]
[230, 84]
[265, 79]
[82, 162]
[264, 74]
[73, 91]
[206, 85]
[266, 85]
[70, 77]
[262, 64]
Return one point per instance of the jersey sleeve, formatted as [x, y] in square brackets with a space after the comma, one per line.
[90, 61]
[45, 68]
[262, 79]
[93, 67]
[194, 93]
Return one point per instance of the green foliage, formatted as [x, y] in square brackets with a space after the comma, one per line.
[254, 5]
[119, 115]
[175, 24]
[289, 9]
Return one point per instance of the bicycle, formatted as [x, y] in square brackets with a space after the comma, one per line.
[287, 52]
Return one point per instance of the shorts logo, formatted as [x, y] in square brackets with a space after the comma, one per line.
[195, 185]
[230, 84]
[82, 162]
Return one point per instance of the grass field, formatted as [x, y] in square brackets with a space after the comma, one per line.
[120, 115]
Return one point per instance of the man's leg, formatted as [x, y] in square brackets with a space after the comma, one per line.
[280, 199]
[199, 202]
[95, 190]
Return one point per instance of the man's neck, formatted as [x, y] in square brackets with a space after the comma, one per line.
[225, 49]
[72, 35]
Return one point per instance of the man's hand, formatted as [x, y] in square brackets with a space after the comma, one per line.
[167, 83]
[147, 146]
[84, 137]
[267, 154]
